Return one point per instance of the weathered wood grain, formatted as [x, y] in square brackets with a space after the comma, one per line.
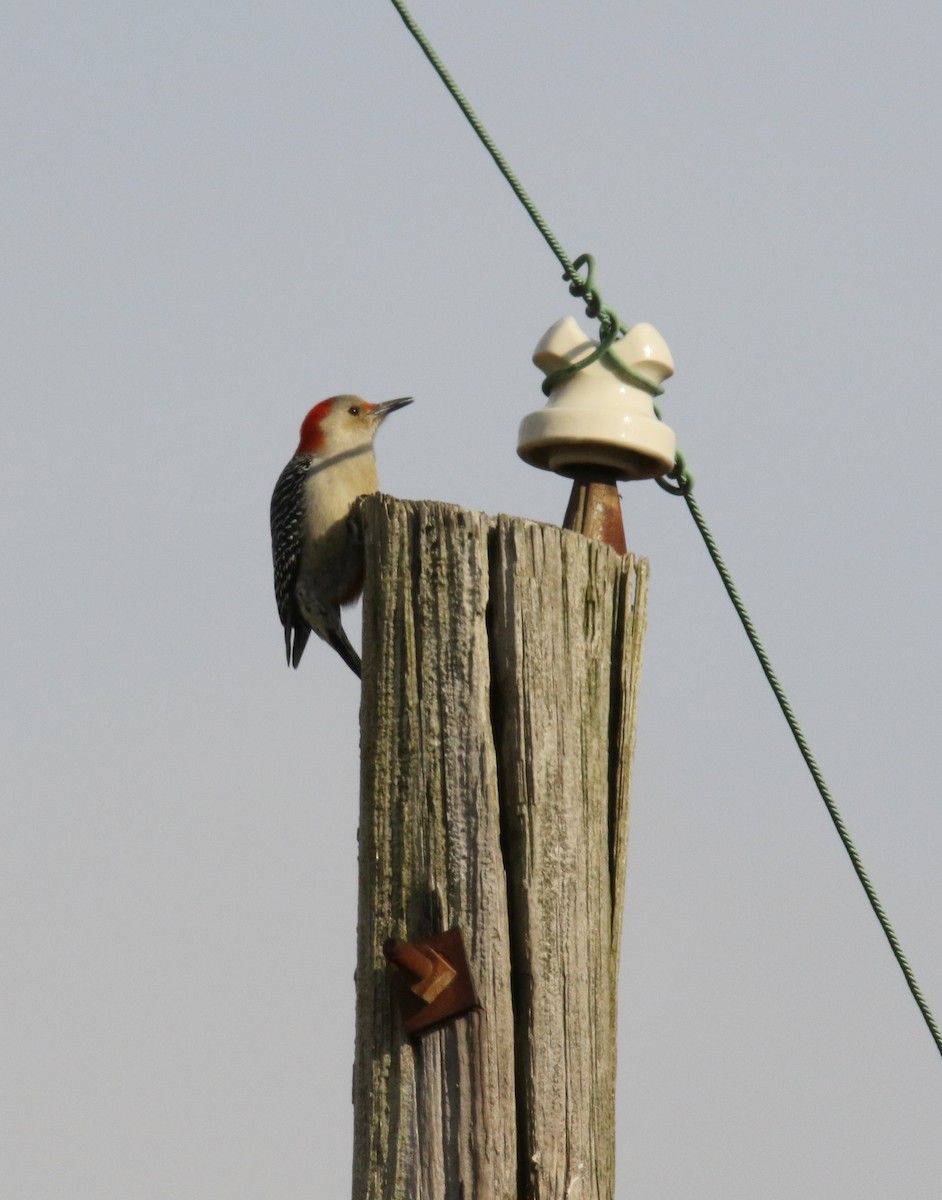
[501, 665]
[435, 1119]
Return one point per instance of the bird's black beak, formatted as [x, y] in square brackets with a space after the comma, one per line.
[383, 410]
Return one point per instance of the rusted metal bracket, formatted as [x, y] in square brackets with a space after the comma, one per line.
[434, 979]
[595, 507]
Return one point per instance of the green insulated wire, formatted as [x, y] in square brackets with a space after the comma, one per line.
[810, 762]
[682, 486]
[490, 145]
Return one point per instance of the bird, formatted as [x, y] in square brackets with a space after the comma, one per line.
[316, 553]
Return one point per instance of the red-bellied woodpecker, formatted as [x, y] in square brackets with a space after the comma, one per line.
[317, 556]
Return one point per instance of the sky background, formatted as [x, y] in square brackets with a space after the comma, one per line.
[215, 215]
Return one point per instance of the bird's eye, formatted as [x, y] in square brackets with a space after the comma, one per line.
[354, 410]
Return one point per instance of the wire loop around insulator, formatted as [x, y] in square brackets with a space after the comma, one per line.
[585, 288]
[559, 376]
[679, 472]
[611, 328]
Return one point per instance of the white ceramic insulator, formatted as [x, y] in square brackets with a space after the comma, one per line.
[598, 416]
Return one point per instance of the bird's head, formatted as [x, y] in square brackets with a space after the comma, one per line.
[344, 423]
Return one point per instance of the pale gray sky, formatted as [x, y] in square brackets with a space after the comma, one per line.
[216, 215]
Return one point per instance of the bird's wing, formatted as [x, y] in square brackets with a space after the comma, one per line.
[286, 538]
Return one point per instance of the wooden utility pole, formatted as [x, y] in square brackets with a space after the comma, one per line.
[501, 662]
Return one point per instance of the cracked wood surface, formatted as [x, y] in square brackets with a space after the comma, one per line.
[501, 663]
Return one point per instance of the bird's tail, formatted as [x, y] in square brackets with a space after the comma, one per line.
[294, 646]
[338, 639]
